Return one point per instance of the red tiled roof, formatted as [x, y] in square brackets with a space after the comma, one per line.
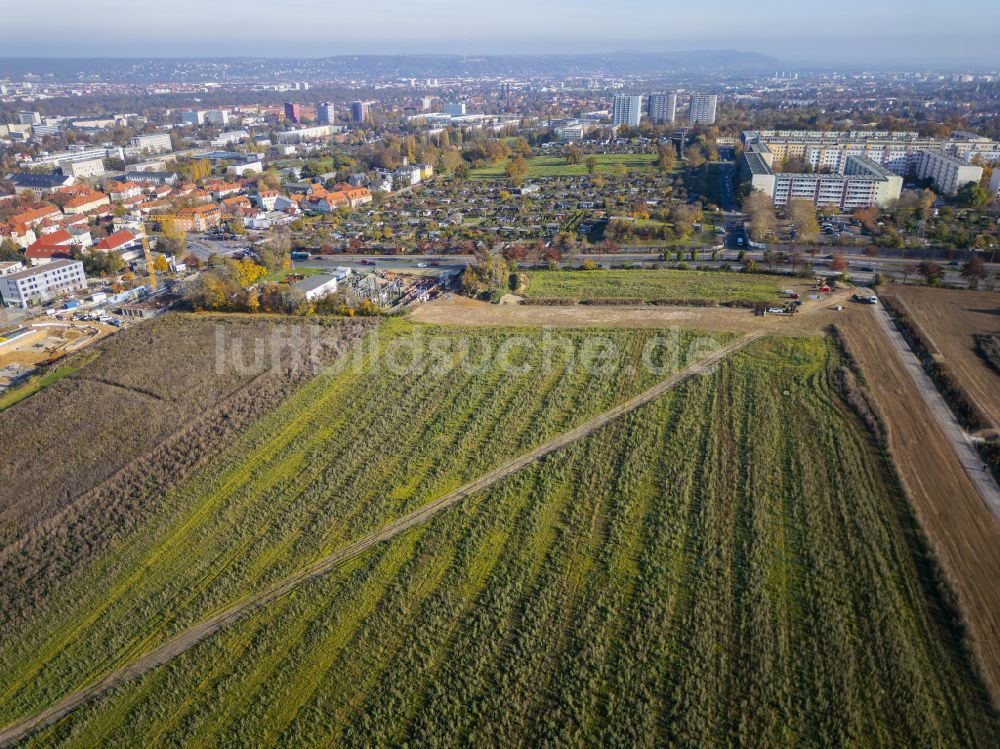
[116, 240]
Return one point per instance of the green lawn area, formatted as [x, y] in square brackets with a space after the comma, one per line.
[650, 285]
[556, 166]
[33, 385]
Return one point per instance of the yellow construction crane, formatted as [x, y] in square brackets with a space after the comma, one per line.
[149, 262]
[156, 218]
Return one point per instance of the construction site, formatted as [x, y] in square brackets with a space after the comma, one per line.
[32, 345]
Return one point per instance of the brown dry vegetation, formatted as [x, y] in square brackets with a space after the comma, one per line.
[90, 456]
[959, 526]
[950, 320]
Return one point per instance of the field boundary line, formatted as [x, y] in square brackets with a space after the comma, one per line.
[962, 445]
[192, 636]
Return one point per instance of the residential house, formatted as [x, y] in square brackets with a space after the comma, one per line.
[120, 240]
[85, 203]
[55, 246]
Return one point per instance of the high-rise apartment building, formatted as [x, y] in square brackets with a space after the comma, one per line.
[217, 116]
[325, 114]
[626, 110]
[293, 112]
[948, 173]
[359, 111]
[703, 109]
[662, 108]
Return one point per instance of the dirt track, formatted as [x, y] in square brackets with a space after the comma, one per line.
[458, 310]
[961, 529]
[949, 319]
[191, 637]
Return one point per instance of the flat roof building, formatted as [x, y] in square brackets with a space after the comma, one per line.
[37, 285]
[318, 286]
[155, 142]
[862, 184]
[626, 110]
[948, 173]
[703, 107]
[325, 113]
[359, 111]
[662, 108]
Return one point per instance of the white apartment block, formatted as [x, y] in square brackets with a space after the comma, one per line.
[87, 168]
[36, 285]
[626, 110]
[154, 142]
[62, 158]
[307, 133]
[217, 116]
[703, 108]
[995, 185]
[194, 117]
[945, 162]
[862, 184]
[661, 108]
[948, 173]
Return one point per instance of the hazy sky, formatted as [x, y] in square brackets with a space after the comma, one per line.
[846, 31]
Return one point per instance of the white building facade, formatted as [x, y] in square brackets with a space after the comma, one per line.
[36, 285]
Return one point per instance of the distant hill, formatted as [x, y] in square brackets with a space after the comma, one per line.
[147, 70]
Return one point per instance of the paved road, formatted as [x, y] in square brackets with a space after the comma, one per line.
[202, 631]
[964, 448]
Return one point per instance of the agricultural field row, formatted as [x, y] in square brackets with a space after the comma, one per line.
[733, 564]
[653, 285]
[417, 412]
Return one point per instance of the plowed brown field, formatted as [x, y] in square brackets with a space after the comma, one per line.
[950, 319]
[961, 529]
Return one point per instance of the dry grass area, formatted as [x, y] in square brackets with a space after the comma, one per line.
[459, 310]
[90, 456]
[959, 526]
[951, 319]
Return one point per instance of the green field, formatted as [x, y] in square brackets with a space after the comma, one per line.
[652, 285]
[556, 166]
[33, 385]
[732, 564]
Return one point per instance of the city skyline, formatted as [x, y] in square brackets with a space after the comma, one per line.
[855, 32]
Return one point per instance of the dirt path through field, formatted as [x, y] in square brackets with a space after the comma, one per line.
[813, 318]
[202, 631]
[963, 532]
[949, 319]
